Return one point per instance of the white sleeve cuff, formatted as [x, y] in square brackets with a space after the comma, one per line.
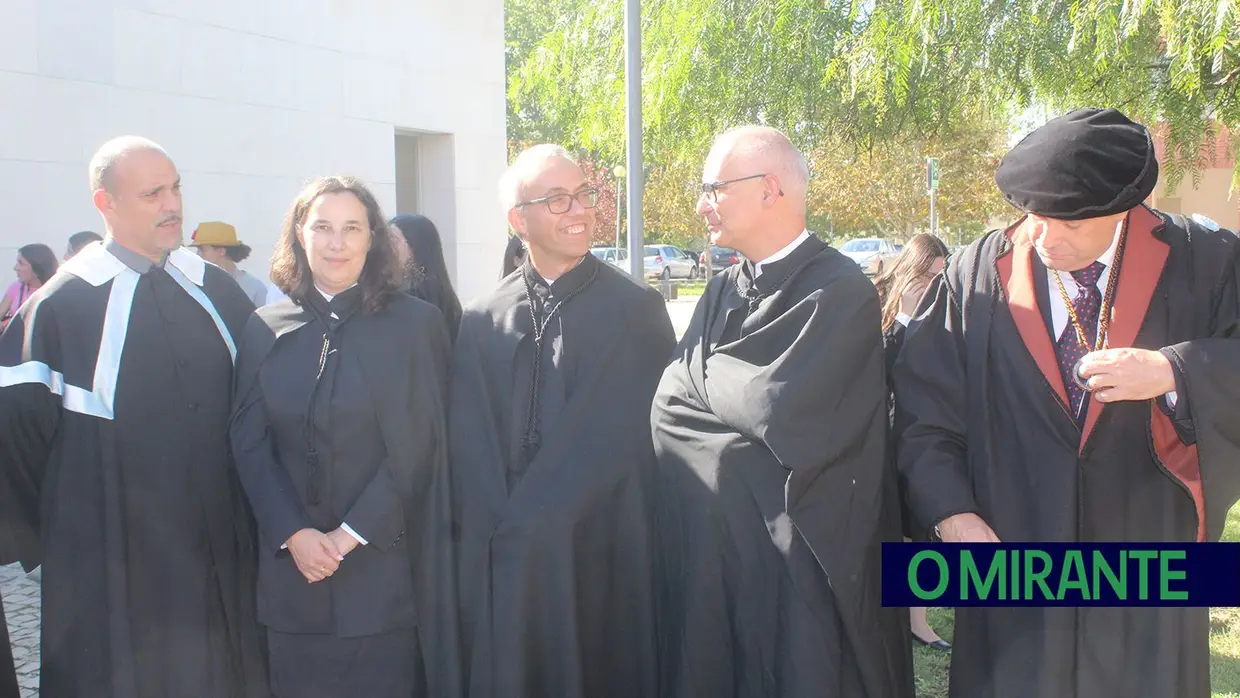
[349, 530]
[1171, 398]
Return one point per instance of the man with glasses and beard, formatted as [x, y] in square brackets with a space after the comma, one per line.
[551, 455]
[770, 426]
[115, 472]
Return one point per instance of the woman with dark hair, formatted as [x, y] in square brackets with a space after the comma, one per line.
[900, 288]
[430, 280]
[337, 430]
[36, 264]
[514, 255]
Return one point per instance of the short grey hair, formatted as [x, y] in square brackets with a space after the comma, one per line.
[103, 164]
[524, 166]
[771, 145]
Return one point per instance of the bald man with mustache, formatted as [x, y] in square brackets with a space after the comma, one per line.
[115, 471]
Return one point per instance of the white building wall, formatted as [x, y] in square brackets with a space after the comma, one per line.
[252, 98]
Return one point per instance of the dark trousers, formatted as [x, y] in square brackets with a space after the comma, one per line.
[325, 666]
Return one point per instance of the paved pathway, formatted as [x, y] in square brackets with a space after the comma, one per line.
[681, 312]
[21, 606]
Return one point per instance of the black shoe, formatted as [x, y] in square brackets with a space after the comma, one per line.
[941, 645]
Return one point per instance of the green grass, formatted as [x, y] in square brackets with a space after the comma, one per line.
[931, 665]
[685, 289]
[692, 288]
[1225, 632]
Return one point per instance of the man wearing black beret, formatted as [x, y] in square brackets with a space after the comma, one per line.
[1076, 377]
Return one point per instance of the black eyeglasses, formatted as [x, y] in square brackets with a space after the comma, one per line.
[711, 189]
[561, 203]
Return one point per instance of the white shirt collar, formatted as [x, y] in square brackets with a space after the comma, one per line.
[787, 250]
[329, 296]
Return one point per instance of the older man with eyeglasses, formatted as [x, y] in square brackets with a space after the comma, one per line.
[774, 492]
[551, 456]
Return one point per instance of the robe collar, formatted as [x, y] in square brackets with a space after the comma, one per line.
[100, 262]
[569, 283]
[341, 305]
[774, 273]
[133, 260]
[762, 264]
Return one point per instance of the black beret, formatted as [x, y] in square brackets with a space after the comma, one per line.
[1085, 164]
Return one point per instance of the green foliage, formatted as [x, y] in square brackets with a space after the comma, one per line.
[867, 88]
[881, 190]
[669, 206]
[1168, 61]
[868, 71]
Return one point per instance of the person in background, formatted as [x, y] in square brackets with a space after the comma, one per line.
[339, 425]
[900, 287]
[36, 264]
[514, 255]
[429, 280]
[79, 240]
[218, 244]
[274, 294]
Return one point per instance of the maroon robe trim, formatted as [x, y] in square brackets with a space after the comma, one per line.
[1140, 269]
[1016, 273]
[1181, 460]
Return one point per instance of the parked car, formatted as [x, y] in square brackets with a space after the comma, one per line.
[869, 253]
[670, 262]
[723, 257]
[618, 257]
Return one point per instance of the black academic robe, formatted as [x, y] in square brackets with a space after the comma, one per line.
[986, 429]
[770, 428]
[379, 437]
[893, 341]
[555, 551]
[11, 527]
[114, 454]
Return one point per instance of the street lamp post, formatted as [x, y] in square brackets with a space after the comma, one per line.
[633, 123]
